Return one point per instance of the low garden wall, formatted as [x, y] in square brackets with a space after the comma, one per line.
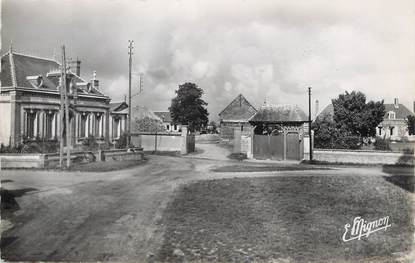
[51, 160]
[363, 157]
[165, 142]
[22, 161]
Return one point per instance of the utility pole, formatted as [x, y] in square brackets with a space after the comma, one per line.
[61, 112]
[309, 124]
[130, 53]
[67, 128]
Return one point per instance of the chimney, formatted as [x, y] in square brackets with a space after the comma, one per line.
[75, 67]
[396, 103]
[95, 82]
[316, 109]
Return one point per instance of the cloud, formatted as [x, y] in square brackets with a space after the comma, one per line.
[269, 50]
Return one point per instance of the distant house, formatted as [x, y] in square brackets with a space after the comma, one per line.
[236, 116]
[393, 126]
[167, 121]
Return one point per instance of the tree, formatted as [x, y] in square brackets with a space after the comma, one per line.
[212, 127]
[148, 124]
[356, 117]
[188, 107]
[410, 120]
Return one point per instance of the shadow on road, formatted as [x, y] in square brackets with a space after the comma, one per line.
[8, 199]
[402, 176]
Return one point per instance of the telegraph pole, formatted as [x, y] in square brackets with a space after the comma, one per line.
[309, 124]
[67, 128]
[61, 112]
[130, 53]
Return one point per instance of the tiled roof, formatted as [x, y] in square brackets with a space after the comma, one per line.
[25, 66]
[118, 106]
[327, 112]
[164, 115]
[238, 110]
[6, 74]
[279, 113]
[401, 112]
[141, 112]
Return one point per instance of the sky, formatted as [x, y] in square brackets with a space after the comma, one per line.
[267, 50]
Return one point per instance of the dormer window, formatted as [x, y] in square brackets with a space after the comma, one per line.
[35, 81]
[391, 115]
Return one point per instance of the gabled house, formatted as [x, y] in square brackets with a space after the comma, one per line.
[394, 125]
[236, 116]
[167, 121]
[30, 102]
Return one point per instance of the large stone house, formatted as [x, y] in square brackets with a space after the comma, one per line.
[394, 125]
[236, 116]
[30, 103]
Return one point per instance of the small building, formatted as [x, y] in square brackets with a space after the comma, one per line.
[167, 121]
[118, 119]
[30, 102]
[278, 132]
[394, 125]
[236, 116]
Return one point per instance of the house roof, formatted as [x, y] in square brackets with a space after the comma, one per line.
[141, 112]
[239, 110]
[164, 115]
[118, 106]
[401, 112]
[327, 112]
[278, 114]
[20, 70]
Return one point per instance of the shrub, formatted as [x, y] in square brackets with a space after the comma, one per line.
[382, 144]
[90, 143]
[122, 142]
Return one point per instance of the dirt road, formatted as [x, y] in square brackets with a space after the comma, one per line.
[104, 216]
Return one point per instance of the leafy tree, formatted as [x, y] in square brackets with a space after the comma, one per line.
[188, 107]
[410, 120]
[148, 124]
[213, 127]
[356, 117]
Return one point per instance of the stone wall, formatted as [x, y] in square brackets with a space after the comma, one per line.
[166, 142]
[363, 157]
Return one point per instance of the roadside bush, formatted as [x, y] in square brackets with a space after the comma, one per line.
[8, 149]
[90, 143]
[122, 142]
[382, 144]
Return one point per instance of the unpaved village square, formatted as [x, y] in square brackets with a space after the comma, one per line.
[196, 208]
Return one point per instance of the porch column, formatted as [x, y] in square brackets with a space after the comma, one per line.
[41, 123]
[36, 126]
[53, 125]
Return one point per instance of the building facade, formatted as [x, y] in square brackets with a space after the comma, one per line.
[167, 122]
[30, 102]
[236, 116]
[394, 125]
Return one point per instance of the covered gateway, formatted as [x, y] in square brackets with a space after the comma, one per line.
[278, 132]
